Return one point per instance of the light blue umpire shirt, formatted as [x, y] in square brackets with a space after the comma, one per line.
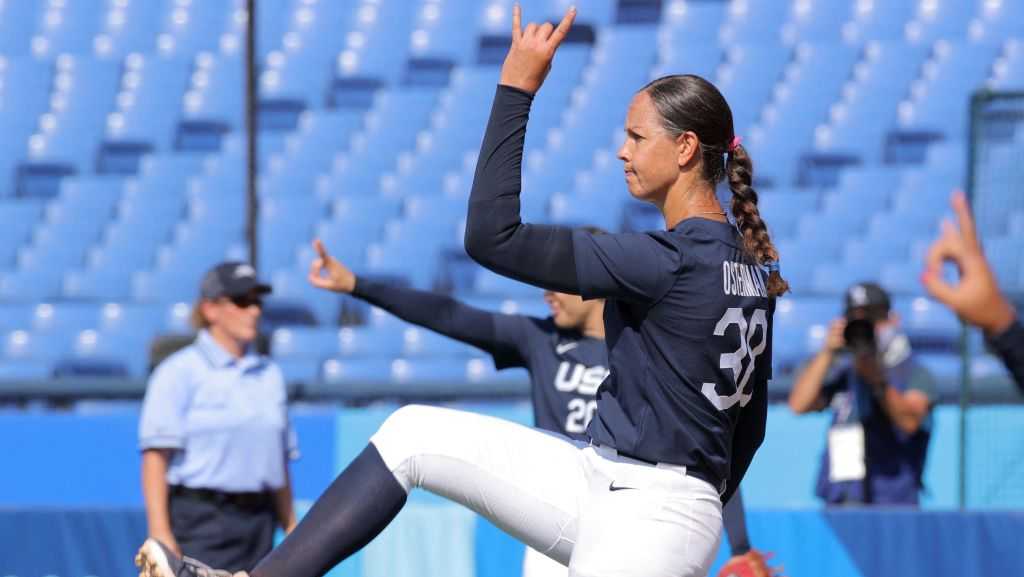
[227, 418]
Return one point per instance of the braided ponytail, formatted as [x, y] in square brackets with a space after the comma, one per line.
[756, 241]
[691, 103]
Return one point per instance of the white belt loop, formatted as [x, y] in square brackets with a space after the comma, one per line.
[681, 469]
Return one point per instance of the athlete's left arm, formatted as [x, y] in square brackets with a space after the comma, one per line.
[747, 438]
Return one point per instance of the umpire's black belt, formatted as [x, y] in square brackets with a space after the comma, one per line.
[250, 500]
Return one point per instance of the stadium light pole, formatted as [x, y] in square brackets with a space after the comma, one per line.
[252, 206]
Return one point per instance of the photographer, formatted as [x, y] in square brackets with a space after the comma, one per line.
[879, 435]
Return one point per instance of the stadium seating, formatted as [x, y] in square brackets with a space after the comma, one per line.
[123, 158]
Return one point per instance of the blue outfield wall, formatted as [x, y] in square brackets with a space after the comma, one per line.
[70, 503]
[431, 539]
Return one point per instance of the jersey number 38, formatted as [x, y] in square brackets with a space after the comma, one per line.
[741, 374]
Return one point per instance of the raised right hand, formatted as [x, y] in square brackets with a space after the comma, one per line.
[529, 58]
[338, 277]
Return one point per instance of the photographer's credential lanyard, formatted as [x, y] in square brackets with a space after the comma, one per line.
[846, 440]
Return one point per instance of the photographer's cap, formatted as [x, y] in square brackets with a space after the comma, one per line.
[870, 297]
[231, 279]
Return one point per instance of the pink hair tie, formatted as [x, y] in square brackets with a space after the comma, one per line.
[736, 141]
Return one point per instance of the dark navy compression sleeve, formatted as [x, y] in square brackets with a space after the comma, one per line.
[496, 237]
[735, 521]
[436, 312]
[1010, 347]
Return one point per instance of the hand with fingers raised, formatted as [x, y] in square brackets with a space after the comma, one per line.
[976, 299]
[529, 58]
[326, 272]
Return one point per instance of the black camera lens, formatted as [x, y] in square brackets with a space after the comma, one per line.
[860, 336]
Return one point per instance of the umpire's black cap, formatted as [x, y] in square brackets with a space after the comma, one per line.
[868, 298]
[231, 279]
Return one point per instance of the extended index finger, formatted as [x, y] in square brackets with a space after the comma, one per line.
[321, 251]
[563, 27]
[517, 21]
[964, 219]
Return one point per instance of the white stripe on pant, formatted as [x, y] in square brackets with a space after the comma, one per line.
[555, 494]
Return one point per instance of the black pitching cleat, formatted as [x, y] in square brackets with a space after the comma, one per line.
[156, 560]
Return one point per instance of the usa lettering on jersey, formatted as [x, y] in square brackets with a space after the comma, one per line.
[742, 280]
[584, 380]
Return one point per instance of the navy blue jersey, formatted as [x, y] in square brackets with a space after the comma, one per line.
[565, 367]
[688, 327]
[687, 320]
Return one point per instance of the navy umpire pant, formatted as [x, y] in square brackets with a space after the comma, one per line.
[231, 531]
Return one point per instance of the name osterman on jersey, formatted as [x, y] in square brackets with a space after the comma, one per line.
[742, 280]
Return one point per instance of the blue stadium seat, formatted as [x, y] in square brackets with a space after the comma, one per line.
[782, 209]
[348, 373]
[122, 166]
[493, 284]
[64, 318]
[800, 325]
[930, 325]
[299, 370]
[27, 345]
[411, 258]
[129, 27]
[19, 218]
[945, 369]
[305, 342]
[84, 90]
[31, 283]
[25, 90]
[18, 25]
[193, 27]
[69, 28]
[956, 69]
[867, 110]
[95, 353]
[1002, 21]
[291, 284]
[530, 305]
[26, 370]
[214, 95]
[419, 342]
[690, 30]
[835, 278]
[151, 87]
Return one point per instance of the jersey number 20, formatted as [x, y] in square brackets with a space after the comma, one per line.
[734, 361]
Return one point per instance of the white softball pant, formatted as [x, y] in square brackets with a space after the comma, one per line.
[586, 507]
[537, 564]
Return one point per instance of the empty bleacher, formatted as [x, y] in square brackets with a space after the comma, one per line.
[122, 167]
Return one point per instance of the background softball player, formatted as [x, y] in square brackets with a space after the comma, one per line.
[564, 354]
[688, 323]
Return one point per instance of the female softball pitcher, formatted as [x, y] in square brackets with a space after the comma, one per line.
[688, 326]
[565, 355]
